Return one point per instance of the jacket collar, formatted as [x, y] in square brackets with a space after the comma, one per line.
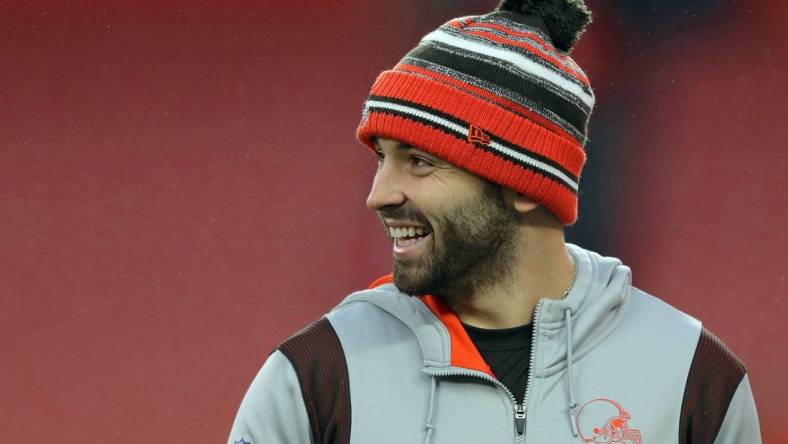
[596, 301]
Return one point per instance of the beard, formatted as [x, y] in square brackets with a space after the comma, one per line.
[472, 247]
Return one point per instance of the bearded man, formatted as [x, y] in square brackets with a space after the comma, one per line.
[492, 328]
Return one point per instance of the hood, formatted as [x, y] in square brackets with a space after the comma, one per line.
[596, 302]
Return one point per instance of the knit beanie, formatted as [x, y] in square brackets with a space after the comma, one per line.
[496, 95]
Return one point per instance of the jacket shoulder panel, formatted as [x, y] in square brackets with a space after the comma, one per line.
[318, 361]
[714, 377]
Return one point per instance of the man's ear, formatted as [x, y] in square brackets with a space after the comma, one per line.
[520, 202]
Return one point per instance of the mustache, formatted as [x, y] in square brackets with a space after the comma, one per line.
[404, 214]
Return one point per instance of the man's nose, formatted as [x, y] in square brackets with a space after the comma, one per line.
[386, 189]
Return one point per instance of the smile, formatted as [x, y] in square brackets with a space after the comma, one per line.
[407, 232]
[408, 241]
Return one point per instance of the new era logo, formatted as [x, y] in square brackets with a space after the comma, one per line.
[477, 137]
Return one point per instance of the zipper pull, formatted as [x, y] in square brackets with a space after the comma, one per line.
[519, 418]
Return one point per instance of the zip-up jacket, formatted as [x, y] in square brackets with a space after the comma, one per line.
[609, 364]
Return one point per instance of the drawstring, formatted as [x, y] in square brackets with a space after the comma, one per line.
[572, 403]
[430, 426]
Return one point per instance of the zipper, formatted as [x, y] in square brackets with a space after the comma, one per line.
[532, 358]
[519, 418]
[519, 409]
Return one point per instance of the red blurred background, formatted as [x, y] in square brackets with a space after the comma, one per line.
[181, 190]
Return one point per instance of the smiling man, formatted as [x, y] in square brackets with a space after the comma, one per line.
[483, 246]
[491, 328]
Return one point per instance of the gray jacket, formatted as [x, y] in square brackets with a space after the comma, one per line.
[609, 364]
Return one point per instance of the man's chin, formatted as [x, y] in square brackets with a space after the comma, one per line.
[408, 283]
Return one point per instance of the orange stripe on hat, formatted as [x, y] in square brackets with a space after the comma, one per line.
[491, 118]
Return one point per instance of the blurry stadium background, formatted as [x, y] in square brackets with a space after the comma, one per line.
[181, 190]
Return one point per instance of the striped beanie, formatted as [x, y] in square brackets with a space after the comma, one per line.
[498, 96]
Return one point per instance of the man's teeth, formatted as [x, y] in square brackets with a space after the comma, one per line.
[406, 232]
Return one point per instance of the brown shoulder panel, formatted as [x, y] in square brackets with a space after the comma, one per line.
[319, 363]
[713, 377]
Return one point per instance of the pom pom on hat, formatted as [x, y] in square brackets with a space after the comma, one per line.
[565, 19]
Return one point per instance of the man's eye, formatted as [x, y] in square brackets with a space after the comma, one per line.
[416, 162]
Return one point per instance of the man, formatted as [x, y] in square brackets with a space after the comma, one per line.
[492, 329]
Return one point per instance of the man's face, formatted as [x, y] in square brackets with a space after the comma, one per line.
[451, 231]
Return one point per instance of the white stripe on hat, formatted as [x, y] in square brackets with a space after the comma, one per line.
[462, 129]
[537, 45]
[514, 58]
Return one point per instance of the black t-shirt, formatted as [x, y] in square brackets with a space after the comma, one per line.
[508, 353]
